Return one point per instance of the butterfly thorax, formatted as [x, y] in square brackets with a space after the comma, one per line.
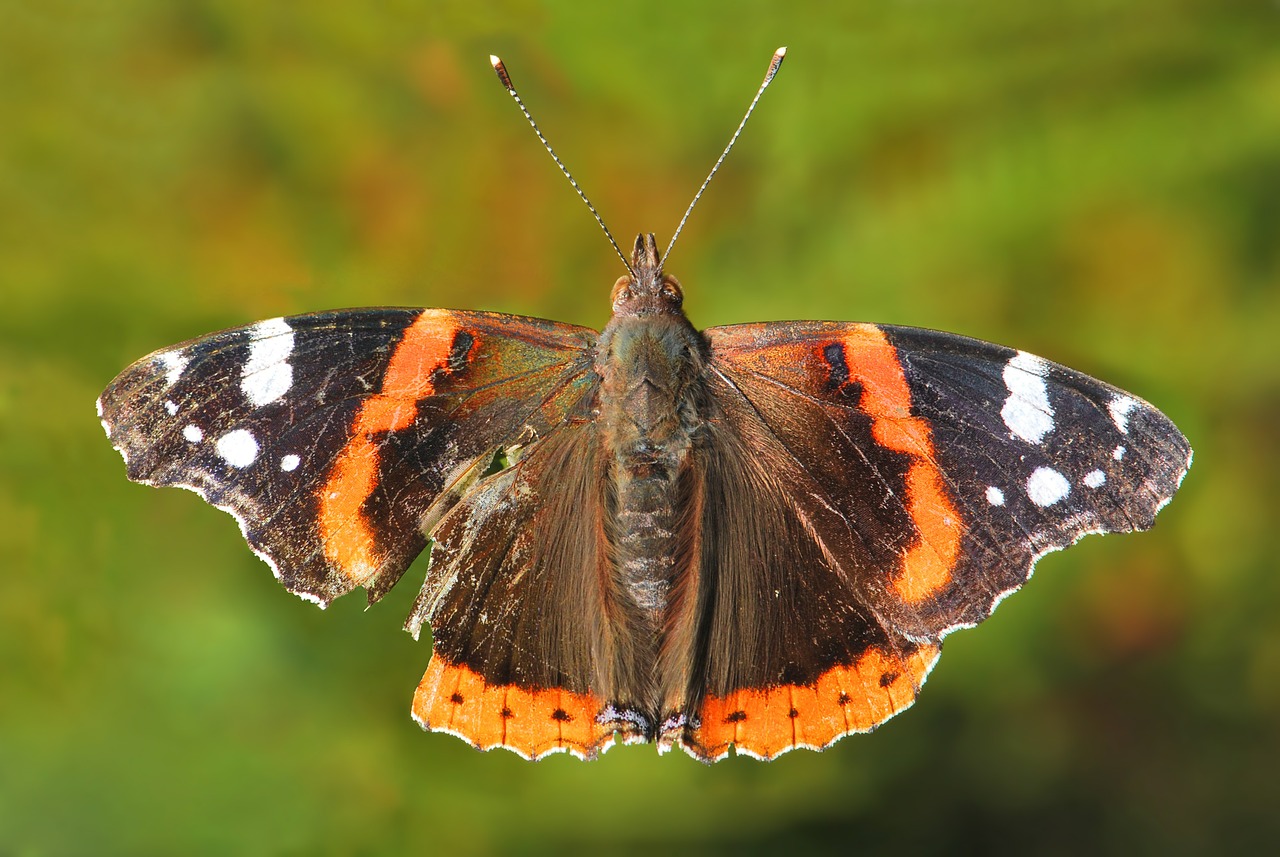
[650, 361]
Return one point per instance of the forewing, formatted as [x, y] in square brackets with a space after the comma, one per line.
[1035, 456]
[337, 439]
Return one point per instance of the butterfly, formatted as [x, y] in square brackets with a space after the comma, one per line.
[751, 537]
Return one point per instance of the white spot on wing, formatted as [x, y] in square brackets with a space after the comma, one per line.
[1118, 453]
[105, 425]
[174, 363]
[1095, 479]
[1120, 407]
[1046, 486]
[238, 448]
[1183, 475]
[290, 462]
[193, 434]
[171, 406]
[267, 375]
[1026, 411]
[995, 496]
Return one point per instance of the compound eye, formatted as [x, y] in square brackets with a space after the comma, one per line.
[621, 290]
[671, 290]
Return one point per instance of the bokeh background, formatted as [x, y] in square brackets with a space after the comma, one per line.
[1094, 181]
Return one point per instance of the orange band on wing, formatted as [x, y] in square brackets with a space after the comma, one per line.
[532, 723]
[886, 398]
[845, 699]
[348, 541]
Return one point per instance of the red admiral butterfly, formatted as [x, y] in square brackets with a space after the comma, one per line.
[753, 536]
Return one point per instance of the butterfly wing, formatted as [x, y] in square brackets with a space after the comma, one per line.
[912, 479]
[337, 440]
[515, 599]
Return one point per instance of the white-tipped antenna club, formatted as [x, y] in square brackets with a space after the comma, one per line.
[774, 65]
[506, 81]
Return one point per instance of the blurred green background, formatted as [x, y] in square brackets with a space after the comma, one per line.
[1097, 182]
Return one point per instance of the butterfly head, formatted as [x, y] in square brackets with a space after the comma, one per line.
[646, 290]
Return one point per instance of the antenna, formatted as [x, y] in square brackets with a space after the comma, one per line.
[774, 65]
[506, 81]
